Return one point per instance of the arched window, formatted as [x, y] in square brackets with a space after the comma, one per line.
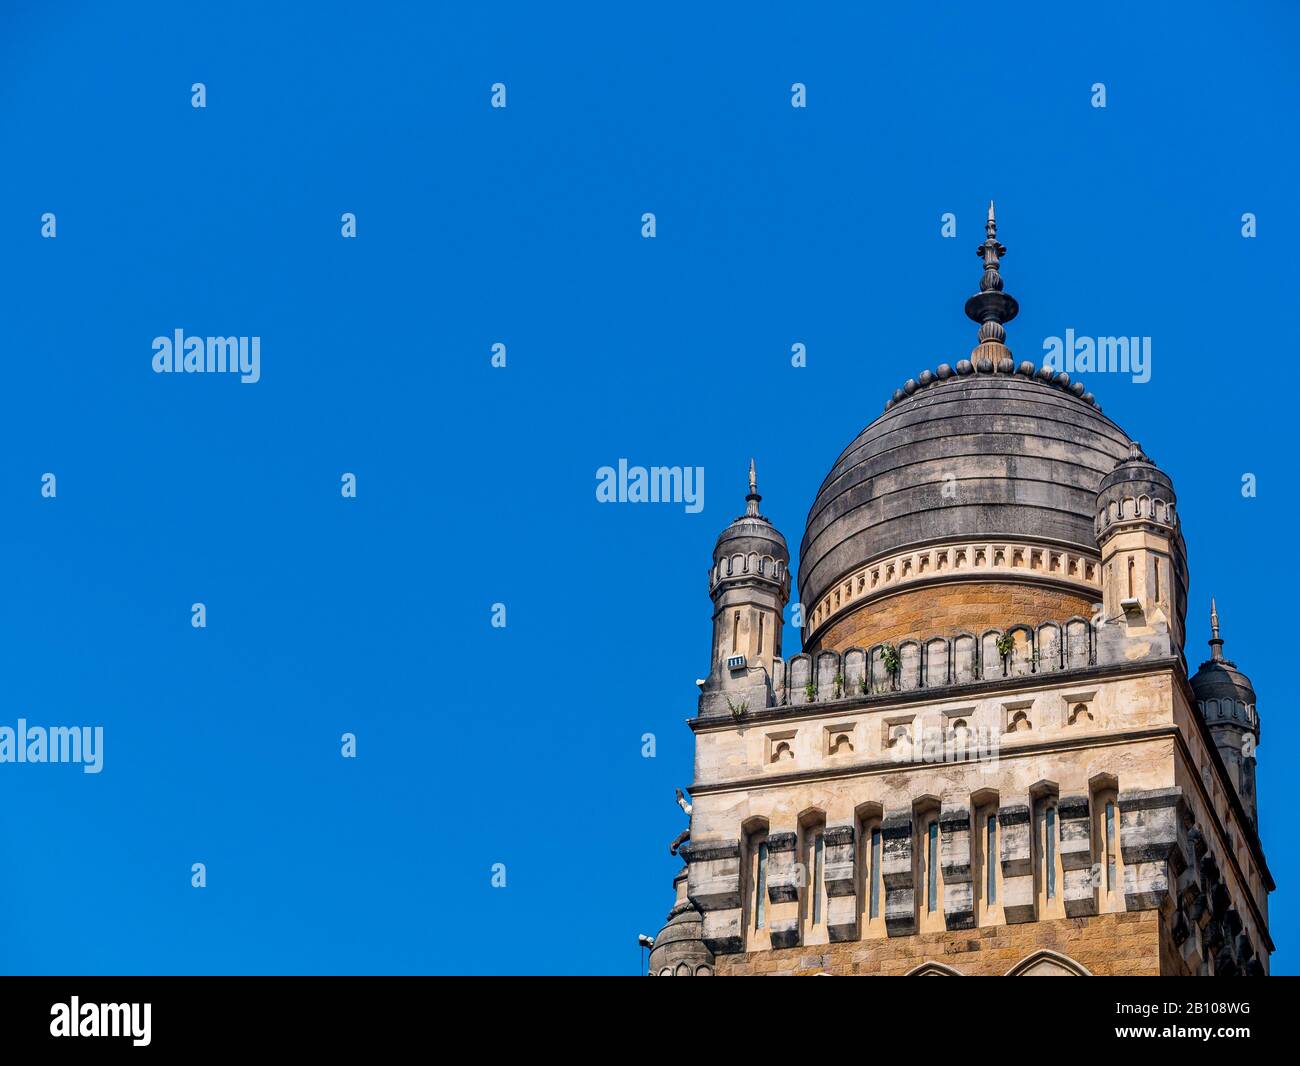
[929, 879]
[813, 857]
[871, 891]
[874, 873]
[1049, 846]
[755, 895]
[932, 969]
[1048, 872]
[986, 869]
[1108, 866]
[1108, 839]
[1045, 963]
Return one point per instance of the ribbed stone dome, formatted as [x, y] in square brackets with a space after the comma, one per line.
[751, 534]
[1024, 457]
[1220, 679]
[679, 949]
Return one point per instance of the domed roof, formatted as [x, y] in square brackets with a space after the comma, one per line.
[751, 532]
[1218, 678]
[679, 949]
[1136, 476]
[971, 454]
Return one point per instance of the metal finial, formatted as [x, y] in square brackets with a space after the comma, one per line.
[1216, 642]
[991, 307]
[752, 500]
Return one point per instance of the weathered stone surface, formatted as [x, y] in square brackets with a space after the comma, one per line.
[722, 932]
[842, 918]
[1153, 844]
[1081, 873]
[897, 875]
[840, 874]
[783, 873]
[713, 874]
[1018, 902]
[955, 862]
[1108, 944]
[785, 933]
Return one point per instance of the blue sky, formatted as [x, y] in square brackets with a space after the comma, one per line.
[522, 226]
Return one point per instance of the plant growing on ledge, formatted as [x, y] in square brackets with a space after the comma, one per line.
[738, 710]
[1005, 644]
[810, 691]
[865, 683]
[889, 656]
[839, 685]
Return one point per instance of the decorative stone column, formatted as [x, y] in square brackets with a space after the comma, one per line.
[713, 886]
[954, 855]
[1076, 856]
[1018, 902]
[897, 876]
[1153, 841]
[783, 881]
[841, 879]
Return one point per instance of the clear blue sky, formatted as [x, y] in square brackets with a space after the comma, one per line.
[523, 226]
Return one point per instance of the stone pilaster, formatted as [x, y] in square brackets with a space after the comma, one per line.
[841, 878]
[713, 886]
[1018, 901]
[897, 876]
[784, 878]
[954, 856]
[1077, 861]
[1153, 842]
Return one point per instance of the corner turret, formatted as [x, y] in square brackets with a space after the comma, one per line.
[749, 583]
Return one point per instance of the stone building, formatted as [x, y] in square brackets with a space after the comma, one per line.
[990, 756]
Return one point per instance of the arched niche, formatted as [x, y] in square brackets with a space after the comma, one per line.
[1046, 963]
[932, 969]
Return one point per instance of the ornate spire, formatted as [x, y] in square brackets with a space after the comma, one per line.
[752, 500]
[1216, 642]
[991, 307]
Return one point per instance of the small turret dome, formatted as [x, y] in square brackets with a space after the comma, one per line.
[1136, 491]
[679, 949]
[751, 545]
[1221, 689]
